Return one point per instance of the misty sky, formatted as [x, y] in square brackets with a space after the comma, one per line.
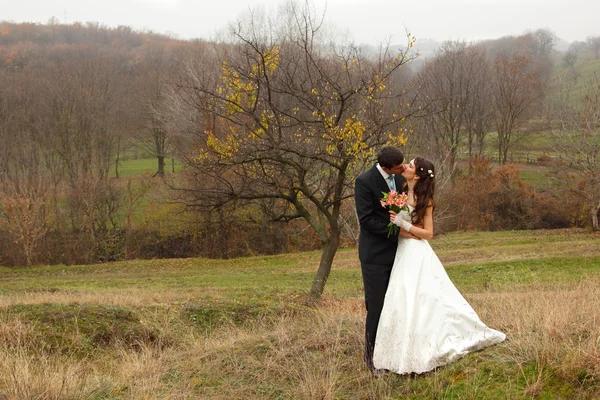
[366, 21]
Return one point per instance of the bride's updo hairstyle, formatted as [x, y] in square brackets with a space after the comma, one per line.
[424, 189]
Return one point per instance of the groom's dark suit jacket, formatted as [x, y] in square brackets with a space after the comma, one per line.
[375, 250]
[374, 247]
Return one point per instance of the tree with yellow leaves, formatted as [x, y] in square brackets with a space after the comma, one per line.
[290, 121]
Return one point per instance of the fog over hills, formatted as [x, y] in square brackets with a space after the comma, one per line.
[426, 48]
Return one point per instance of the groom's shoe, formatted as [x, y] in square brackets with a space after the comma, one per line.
[376, 373]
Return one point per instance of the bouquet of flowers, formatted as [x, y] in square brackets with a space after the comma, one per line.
[396, 202]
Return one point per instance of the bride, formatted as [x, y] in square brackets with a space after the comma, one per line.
[425, 321]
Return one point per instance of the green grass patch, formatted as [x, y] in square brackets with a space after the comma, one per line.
[270, 277]
[80, 329]
[519, 274]
[587, 71]
[141, 166]
[540, 177]
[211, 313]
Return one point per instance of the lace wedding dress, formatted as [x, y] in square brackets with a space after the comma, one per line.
[425, 321]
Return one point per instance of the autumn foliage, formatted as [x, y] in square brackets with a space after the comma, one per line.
[490, 198]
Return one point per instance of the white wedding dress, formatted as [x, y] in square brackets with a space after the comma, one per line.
[425, 322]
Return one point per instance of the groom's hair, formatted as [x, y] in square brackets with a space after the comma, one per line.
[389, 156]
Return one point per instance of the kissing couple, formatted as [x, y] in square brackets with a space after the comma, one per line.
[416, 318]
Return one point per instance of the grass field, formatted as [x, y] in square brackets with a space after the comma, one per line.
[233, 329]
[587, 70]
[141, 166]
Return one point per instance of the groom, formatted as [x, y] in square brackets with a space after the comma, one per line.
[375, 250]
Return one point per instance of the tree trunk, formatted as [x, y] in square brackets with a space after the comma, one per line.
[470, 144]
[453, 159]
[502, 148]
[499, 150]
[28, 249]
[595, 212]
[118, 159]
[480, 138]
[161, 166]
[328, 253]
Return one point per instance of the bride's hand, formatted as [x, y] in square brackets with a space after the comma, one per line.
[392, 215]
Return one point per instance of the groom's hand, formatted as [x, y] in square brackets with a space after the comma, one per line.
[408, 235]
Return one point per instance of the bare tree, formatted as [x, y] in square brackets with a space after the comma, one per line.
[66, 105]
[577, 139]
[153, 133]
[23, 205]
[479, 113]
[578, 46]
[593, 44]
[569, 60]
[545, 43]
[517, 93]
[290, 122]
[457, 85]
[23, 179]
[5, 116]
[446, 82]
[82, 106]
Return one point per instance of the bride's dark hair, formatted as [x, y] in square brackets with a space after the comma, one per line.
[424, 189]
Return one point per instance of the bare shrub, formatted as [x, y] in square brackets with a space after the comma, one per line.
[497, 199]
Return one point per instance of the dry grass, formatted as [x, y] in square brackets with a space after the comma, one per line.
[557, 328]
[129, 298]
[173, 344]
[554, 339]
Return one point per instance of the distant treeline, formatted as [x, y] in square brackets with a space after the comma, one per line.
[76, 99]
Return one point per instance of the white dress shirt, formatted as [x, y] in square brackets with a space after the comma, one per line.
[385, 176]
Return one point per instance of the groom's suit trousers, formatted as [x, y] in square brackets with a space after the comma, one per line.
[376, 279]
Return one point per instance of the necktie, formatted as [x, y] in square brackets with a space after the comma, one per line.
[391, 182]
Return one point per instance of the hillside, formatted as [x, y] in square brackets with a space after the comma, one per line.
[586, 72]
